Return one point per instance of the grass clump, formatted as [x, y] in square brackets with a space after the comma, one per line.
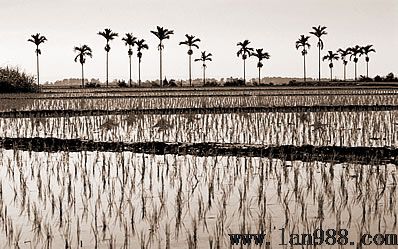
[13, 80]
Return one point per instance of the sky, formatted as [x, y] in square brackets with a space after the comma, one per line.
[273, 25]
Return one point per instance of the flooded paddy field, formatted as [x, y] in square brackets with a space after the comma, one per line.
[188, 179]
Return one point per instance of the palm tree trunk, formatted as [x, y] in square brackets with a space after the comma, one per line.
[82, 76]
[305, 78]
[259, 75]
[367, 69]
[319, 63]
[355, 71]
[107, 59]
[37, 65]
[331, 74]
[130, 69]
[190, 79]
[204, 75]
[160, 51]
[244, 71]
[139, 72]
[345, 72]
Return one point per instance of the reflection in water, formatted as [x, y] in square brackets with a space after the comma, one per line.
[104, 199]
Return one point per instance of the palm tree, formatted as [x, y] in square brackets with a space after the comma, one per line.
[244, 51]
[303, 42]
[140, 46]
[129, 41]
[260, 55]
[82, 51]
[109, 36]
[190, 42]
[343, 54]
[162, 34]
[355, 52]
[204, 57]
[330, 57]
[37, 39]
[366, 50]
[318, 32]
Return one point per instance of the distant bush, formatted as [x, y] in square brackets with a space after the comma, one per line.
[363, 78]
[234, 82]
[92, 85]
[211, 84]
[389, 78]
[121, 83]
[13, 80]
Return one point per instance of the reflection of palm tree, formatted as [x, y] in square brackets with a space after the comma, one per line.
[82, 51]
[318, 32]
[109, 36]
[260, 55]
[129, 41]
[303, 42]
[204, 57]
[343, 54]
[330, 57]
[366, 50]
[140, 46]
[245, 51]
[162, 34]
[190, 42]
[355, 52]
[37, 39]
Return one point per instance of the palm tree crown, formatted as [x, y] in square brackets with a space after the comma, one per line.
[355, 52]
[37, 39]
[162, 34]
[129, 40]
[260, 56]
[190, 42]
[204, 57]
[82, 53]
[366, 50]
[343, 55]
[330, 57]
[319, 32]
[109, 36]
[244, 51]
[302, 42]
[140, 46]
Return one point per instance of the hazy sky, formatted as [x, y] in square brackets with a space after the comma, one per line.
[273, 25]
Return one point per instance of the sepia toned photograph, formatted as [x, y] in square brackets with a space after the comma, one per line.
[212, 124]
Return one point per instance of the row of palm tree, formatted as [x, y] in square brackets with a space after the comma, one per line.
[245, 51]
[353, 53]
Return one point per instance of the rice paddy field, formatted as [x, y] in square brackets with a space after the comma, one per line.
[156, 168]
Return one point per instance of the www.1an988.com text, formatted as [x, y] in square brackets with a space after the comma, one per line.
[318, 237]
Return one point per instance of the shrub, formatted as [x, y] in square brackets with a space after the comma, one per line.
[92, 85]
[121, 83]
[13, 80]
